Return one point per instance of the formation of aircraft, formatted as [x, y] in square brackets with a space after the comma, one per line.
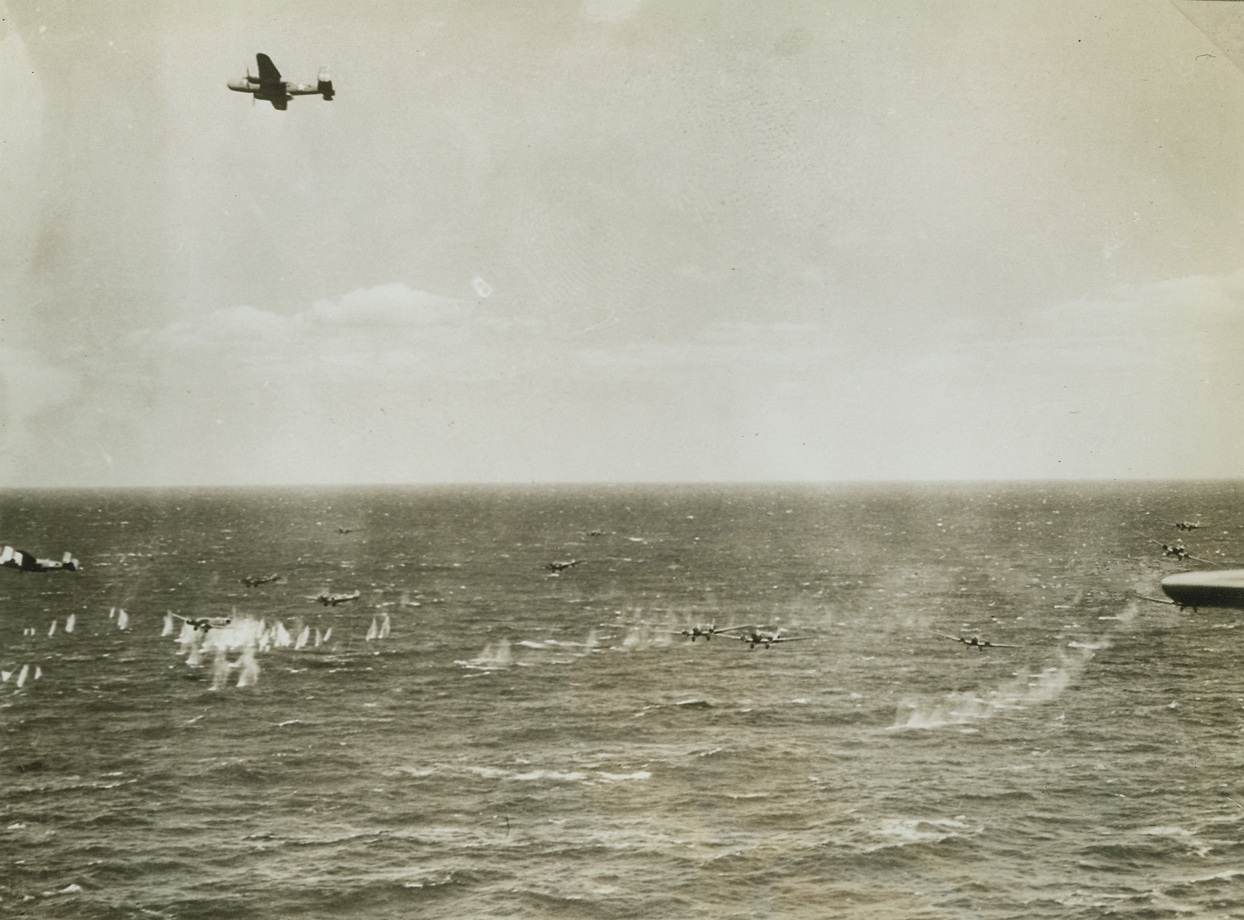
[975, 642]
[269, 86]
[707, 630]
[332, 600]
[26, 562]
[254, 581]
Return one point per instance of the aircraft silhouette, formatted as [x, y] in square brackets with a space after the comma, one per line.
[755, 637]
[559, 567]
[269, 86]
[203, 623]
[332, 600]
[974, 642]
[26, 562]
[707, 630]
[254, 581]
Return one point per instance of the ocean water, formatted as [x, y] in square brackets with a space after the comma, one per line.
[519, 743]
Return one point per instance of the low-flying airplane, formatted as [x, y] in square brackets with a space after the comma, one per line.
[269, 86]
[254, 581]
[975, 642]
[332, 600]
[26, 562]
[707, 630]
[1174, 550]
[754, 637]
[203, 623]
[559, 567]
[1186, 525]
[344, 530]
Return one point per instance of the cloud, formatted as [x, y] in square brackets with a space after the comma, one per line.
[387, 327]
[390, 383]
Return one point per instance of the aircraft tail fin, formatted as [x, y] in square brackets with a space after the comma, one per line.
[70, 563]
[324, 85]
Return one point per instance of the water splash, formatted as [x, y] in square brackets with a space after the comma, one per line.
[1026, 689]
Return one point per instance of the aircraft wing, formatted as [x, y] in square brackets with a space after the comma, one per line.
[20, 559]
[267, 70]
[726, 629]
[792, 638]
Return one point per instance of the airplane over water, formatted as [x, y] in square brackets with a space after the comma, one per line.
[26, 562]
[203, 623]
[707, 630]
[254, 581]
[755, 637]
[269, 86]
[332, 600]
[558, 567]
[975, 642]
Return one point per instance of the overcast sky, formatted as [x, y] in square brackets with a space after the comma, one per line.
[622, 240]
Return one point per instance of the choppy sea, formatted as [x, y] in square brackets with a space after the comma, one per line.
[480, 736]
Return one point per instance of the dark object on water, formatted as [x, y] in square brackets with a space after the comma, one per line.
[1223, 588]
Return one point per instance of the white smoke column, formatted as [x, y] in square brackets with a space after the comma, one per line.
[495, 655]
[220, 669]
[248, 667]
[194, 656]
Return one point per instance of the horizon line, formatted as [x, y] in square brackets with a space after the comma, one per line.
[616, 483]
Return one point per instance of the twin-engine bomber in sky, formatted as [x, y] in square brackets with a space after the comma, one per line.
[270, 87]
